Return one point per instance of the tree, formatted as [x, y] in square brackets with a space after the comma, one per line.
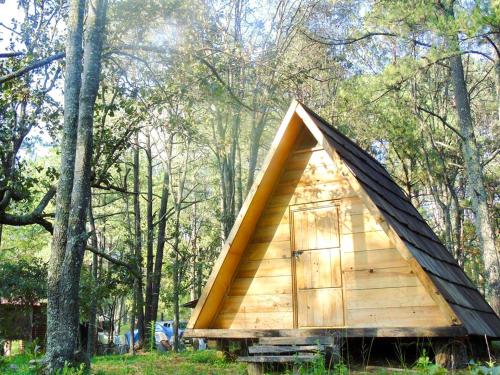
[73, 191]
[22, 280]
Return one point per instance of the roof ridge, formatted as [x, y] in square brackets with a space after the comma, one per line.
[308, 109]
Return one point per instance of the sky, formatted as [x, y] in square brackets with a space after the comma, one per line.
[8, 10]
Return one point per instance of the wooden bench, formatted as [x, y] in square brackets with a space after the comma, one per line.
[294, 351]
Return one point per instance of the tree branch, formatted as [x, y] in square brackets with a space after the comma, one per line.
[219, 78]
[113, 260]
[491, 158]
[6, 55]
[442, 119]
[347, 41]
[35, 217]
[28, 68]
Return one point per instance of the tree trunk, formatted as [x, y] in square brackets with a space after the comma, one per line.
[175, 277]
[74, 185]
[178, 198]
[139, 305]
[458, 219]
[148, 317]
[60, 351]
[496, 51]
[255, 138]
[92, 329]
[160, 245]
[239, 181]
[132, 322]
[477, 188]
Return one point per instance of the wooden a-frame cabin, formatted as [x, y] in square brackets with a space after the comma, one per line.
[327, 241]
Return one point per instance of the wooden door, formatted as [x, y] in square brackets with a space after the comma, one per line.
[318, 277]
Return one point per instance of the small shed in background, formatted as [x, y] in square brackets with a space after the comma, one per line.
[25, 322]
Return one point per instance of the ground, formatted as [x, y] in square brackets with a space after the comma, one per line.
[207, 362]
[203, 362]
[210, 362]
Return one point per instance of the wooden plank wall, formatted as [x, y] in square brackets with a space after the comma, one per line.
[380, 290]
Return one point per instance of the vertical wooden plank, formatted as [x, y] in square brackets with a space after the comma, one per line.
[336, 267]
[320, 308]
[318, 269]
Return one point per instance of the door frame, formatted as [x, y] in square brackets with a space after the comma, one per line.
[335, 203]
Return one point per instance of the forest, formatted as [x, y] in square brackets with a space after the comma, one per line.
[131, 132]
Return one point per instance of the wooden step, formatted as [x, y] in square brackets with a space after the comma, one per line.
[313, 340]
[274, 349]
[300, 358]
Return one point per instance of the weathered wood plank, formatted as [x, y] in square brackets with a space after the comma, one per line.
[277, 359]
[372, 259]
[415, 316]
[307, 161]
[275, 349]
[332, 340]
[313, 192]
[315, 227]
[257, 303]
[271, 233]
[261, 285]
[380, 278]
[388, 297]
[284, 336]
[318, 269]
[365, 241]
[258, 320]
[267, 250]
[359, 223]
[320, 307]
[274, 216]
[265, 267]
[353, 206]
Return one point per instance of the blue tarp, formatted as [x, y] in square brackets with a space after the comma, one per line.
[136, 336]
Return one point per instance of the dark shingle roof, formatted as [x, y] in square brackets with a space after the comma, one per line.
[457, 289]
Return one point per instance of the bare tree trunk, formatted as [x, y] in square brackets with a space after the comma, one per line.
[148, 317]
[132, 322]
[60, 351]
[496, 51]
[239, 181]
[474, 173]
[139, 305]
[255, 138]
[178, 198]
[160, 245]
[92, 332]
[74, 185]
[175, 276]
[458, 220]
[132, 253]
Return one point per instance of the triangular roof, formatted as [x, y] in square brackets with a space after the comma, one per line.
[413, 237]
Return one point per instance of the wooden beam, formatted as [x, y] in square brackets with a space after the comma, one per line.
[277, 358]
[451, 331]
[281, 349]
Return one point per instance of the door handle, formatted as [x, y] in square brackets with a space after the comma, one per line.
[297, 253]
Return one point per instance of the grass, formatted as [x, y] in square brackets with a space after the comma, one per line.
[208, 362]
[211, 362]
